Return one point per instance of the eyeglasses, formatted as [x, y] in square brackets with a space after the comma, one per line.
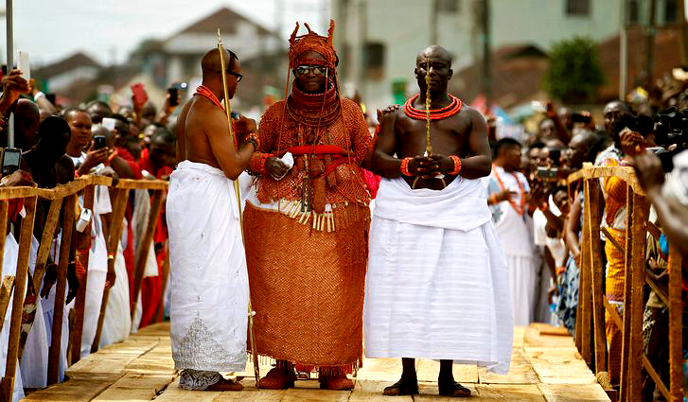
[228, 71]
[305, 69]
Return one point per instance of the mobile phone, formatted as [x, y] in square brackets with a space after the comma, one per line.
[547, 174]
[140, 95]
[99, 142]
[109, 123]
[11, 159]
[174, 95]
[4, 69]
[23, 64]
[52, 98]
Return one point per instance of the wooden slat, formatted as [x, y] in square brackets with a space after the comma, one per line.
[616, 318]
[144, 248]
[61, 286]
[641, 209]
[655, 288]
[119, 208]
[32, 292]
[592, 194]
[626, 174]
[4, 205]
[586, 282]
[5, 294]
[675, 326]
[610, 238]
[626, 360]
[18, 294]
[80, 302]
[655, 377]
[142, 184]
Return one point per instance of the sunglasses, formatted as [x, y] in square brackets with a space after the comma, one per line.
[304, 69]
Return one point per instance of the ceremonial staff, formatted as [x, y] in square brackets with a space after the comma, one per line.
[428, 103]
[228, 110]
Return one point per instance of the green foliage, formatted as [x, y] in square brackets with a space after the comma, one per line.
[574, 73]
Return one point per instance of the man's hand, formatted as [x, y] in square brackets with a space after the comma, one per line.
[550, 111]
[13, 85]
[110, 172]
[94, 157]
[649, 170]
[505, 195]
[389, 109]
[18, 178]
[439, 164]
[244, 126]
[110, 278]
[632, 143]
[275, 167]
[49, 279]
[423, 166]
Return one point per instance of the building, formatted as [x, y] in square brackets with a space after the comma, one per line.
[68, 72]
[378, 39]
[178, 58]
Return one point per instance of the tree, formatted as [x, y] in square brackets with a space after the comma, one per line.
[574, 73]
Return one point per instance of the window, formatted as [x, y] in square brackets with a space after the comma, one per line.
[670, 11]
[578, 8]
[373, 60]
[448, 6]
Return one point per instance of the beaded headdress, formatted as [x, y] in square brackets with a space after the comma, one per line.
[298, 45]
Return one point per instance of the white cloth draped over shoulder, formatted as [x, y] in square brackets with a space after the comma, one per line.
[208, 278]
[436, 285]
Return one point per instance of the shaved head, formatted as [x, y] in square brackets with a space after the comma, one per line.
[210, 64]
[435, 52]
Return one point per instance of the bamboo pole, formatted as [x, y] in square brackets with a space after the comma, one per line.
[121, 195]
[61, 286]
[144, 248]
[80, 304]
[18, 296]
[4, 206]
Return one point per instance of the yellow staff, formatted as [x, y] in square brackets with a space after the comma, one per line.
[428, 103]
[228, 110]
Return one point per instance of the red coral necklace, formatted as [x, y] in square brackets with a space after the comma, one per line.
[438, 114]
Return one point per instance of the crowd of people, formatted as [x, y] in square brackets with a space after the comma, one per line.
[540, 220]
[430, 277]
[59, 143]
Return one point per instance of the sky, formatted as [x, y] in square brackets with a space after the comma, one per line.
[108, 30]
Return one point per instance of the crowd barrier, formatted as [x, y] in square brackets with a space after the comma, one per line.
[592, 302]
[24, 289]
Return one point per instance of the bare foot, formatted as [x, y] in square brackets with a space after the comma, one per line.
[225, 385]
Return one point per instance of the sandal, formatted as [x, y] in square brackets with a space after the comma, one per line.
[454, 389]
[336, 383]
[225, 385]
[277, 378]
[401, 388]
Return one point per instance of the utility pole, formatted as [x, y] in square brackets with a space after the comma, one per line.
[623, 51]
[487, 71]
[651, 39]
[434, 29]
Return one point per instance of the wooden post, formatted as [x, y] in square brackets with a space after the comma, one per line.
[584, 290]
[120, 197]
[592, 197]
[33, 291]
[4, 206]
[55, 340]
[18, 297]
[675, 326]
[165, 273]
[144, 248]
[626, 361]
[80, 303]
[641, 209]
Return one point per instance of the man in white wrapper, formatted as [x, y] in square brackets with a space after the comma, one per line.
[208, 279]
[436, 283]
[508, 193]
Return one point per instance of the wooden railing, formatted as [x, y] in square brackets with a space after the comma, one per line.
[592, 302]
[25, 294]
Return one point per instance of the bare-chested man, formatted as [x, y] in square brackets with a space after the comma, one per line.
[436, 283]
[208, 279]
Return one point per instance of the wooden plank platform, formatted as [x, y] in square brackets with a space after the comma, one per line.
[546, 367]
